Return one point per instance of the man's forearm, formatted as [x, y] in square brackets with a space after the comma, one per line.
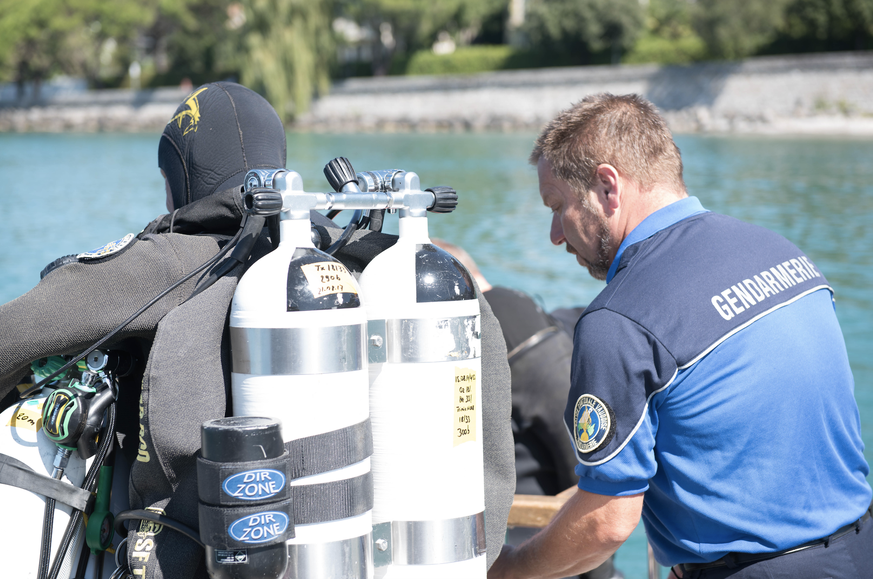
[585, 532]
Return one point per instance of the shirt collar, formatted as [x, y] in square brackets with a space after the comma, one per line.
[660, 219]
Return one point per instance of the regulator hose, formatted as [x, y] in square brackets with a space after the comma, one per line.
[209, 263]
[89, 484]
[250, 230]
[45, 546]
[143, 515]
[349, 230]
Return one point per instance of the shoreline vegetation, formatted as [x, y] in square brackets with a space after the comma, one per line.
[820, 94]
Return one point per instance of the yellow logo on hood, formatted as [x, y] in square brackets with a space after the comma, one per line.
[192, 115]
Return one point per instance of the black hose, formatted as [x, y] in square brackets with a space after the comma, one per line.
[122, 570]
[211, 261]
[143, 515]
[45, 549]
[347, 233]
[84, 555]
[250, 231]
[89, 484]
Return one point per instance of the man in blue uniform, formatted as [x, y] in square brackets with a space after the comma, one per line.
[711, 391]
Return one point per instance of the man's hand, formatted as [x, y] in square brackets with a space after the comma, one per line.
[585, 532]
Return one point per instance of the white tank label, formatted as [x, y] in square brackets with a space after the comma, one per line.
[465, 406]
[27, 416]
[328, 277]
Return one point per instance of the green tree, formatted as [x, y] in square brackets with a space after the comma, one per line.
[827, 25]
[33, 39]
[193, 39]
[581, 28]
[402, 27]
[106, 23]
[669, 37]
[40, 38]
[734, 29]
[287, 51]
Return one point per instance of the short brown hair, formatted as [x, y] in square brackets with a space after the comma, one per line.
[625, 131]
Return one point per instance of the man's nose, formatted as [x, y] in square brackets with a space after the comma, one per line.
[557, 232]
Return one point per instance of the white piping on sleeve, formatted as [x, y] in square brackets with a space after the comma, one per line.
[684, 367]
[755, 319]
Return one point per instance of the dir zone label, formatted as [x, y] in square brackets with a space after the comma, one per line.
[254, 485]
[258, 528]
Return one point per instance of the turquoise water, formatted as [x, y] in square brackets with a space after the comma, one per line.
[65, 194]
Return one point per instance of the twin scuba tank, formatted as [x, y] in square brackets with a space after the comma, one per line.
[355, 449]
[376, 382]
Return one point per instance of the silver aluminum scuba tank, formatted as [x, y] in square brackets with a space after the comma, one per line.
[300, 350]
[22, 438]
[297, 340]
[425, 400]
[55, 435]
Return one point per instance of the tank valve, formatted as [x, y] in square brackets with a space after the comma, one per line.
[445, 199]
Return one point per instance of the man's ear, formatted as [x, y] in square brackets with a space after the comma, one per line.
[609, 187]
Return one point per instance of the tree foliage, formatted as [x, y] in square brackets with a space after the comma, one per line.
[287, 48]
[827, 25]
[192, 39]
[33, 36]
[584, 27]
[401, 27]
[669, 36]
[39, 38]
[734, 29]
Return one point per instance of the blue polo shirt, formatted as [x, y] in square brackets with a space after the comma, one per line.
[711, 374]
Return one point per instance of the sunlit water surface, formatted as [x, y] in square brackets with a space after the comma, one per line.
[65, 194]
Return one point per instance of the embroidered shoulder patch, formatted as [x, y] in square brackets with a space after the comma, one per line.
[108, 249]
[593, 423]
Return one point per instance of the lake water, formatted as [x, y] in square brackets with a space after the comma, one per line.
[65, 194]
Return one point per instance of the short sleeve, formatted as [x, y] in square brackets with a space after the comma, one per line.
[618, 366]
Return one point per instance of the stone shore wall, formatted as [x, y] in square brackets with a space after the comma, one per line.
[111, 110]
[823, 93]
[820, 93]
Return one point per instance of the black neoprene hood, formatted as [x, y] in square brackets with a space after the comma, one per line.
[217, 134]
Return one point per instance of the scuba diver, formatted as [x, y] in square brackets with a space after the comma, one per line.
[184, 266]
[539, 347]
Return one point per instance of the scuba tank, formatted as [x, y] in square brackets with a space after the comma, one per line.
[49, 468]
[297, 333]
[425, 399]
[22, 438]
[300, 348]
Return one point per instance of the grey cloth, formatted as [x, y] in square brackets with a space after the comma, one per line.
[80, 302]
[498, 445]
[187, 377]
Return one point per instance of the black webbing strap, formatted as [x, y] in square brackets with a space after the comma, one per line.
[242, 527]
[242, 483]
[15, 473]
[331, 450]
[532, 341]
[332, 501]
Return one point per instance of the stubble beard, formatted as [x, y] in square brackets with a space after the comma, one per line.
[600, 267]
